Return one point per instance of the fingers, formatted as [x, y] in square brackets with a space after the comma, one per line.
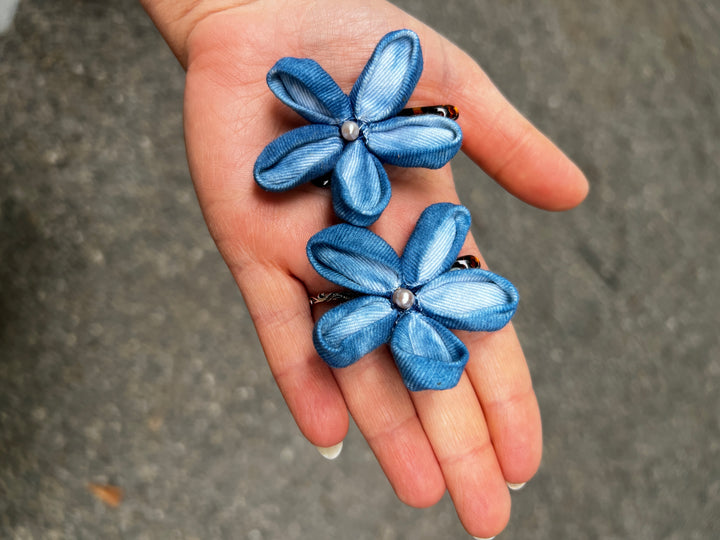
[454, 423]
[486, 431]
[499, 373]
[500, 376]
[494, 423]
[384, 412]
[279, 308]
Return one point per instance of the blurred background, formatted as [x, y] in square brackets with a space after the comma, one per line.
[127, 357]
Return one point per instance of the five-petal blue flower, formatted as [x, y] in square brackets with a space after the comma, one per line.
[410, 301]
[353, 135]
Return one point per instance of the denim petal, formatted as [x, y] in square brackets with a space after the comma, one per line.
[428, 355]
[353, 329]
[360, 186]
[305, 87]
[355, 258]
[389, 77]
[298, 156]
[435, 243]
[473, 299]
[415, 141]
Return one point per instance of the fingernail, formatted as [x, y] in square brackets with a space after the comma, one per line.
[330, 452]
[478, 538]
[516, 487]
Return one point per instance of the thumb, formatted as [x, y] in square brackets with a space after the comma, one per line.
[501, 140]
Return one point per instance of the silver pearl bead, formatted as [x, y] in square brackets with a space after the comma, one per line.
[350, 130]
[403, 298]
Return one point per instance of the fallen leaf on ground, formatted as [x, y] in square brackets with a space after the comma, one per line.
[110, 495]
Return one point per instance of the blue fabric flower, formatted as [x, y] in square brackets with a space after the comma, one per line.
[410, 301]
[353, 135]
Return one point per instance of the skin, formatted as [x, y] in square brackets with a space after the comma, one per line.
[469, 440]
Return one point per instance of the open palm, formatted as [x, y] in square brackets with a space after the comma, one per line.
[471, 439]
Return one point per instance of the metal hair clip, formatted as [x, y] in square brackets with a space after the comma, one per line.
[332, 297]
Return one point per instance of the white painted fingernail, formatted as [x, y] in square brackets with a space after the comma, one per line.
[478, 538]
[516, 487]
[330, 452]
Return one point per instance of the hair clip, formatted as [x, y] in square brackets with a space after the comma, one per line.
[411, 302]
[448, 111]
[351, 136]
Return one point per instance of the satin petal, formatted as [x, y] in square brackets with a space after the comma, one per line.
[434, 243]
[414, 141]
[306, 87]
[473, 299]
[355, 258]
[428, 355]
[349, 331]
[298, 156]
[360, 186]
[389, 77]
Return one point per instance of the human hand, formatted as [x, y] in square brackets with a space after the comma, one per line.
[471, 439]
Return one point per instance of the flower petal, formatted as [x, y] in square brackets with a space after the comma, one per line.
[355, 258]
[435, 243]
[353, 329]
[425, 140]
[298, 156]
[473, 299]
[360, 186]
[301, 84]
[389, 77]
[428, 355]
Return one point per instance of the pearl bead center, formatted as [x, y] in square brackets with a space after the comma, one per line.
[403, 298]
[350, 130]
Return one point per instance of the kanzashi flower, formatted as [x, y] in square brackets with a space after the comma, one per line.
[410, 301]
[352, 135]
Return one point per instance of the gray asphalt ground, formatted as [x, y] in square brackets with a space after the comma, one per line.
[127, 356]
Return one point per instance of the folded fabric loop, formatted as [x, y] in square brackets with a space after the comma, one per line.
[359, 203]
[426, 140]
[428, 355]
[434, 243]
[472, 299]
[305, 87]
[389, 77]
[351, 330]
[297, 157]
[355, 258]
